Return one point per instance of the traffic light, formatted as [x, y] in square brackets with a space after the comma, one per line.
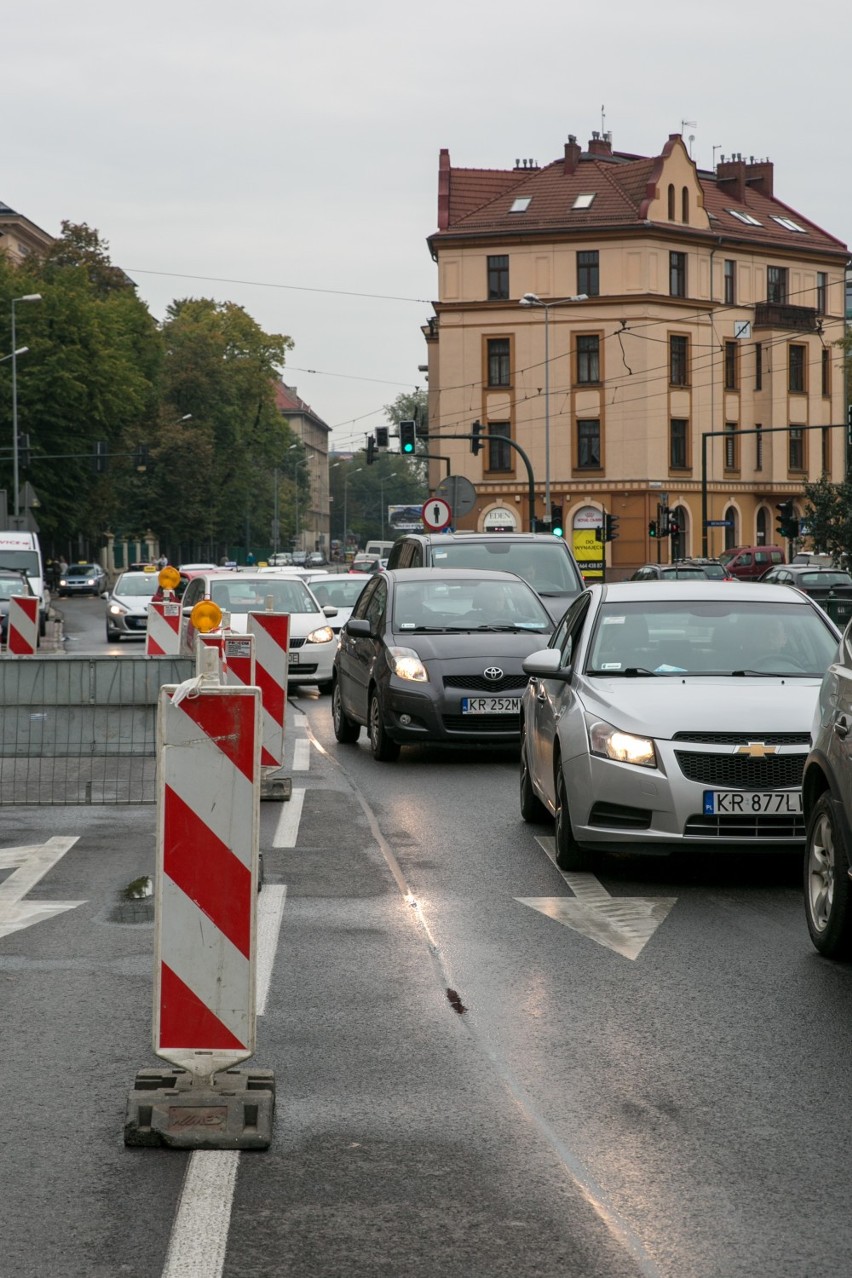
[381, 437]
[23, 450]
[476, 442]
[599, 532]
[371, 449]
[610, 527]
[99, 456]
[556, 519]
[653, 529]
[674, 525]
[407, 437]
[786, 525]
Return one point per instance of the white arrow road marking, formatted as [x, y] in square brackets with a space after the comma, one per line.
[29, 864]
[623, 924]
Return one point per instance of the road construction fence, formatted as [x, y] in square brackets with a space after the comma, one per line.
[82, 730]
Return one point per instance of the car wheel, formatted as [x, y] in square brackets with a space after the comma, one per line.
[569, 854]
[345, 730]
[385, 750]
[112, 635]
[828, 898]
[532, 808]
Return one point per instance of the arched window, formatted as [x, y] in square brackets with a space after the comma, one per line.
[762, 528]
[684, 205]
[731, 528]
[671, 203]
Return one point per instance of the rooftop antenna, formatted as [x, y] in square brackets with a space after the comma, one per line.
[716, 148]
[688, 124]
[603, 120]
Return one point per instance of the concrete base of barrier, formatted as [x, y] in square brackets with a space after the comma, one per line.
[233, 1110]
[277, 789]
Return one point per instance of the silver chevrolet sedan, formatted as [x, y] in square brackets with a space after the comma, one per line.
[669, 716]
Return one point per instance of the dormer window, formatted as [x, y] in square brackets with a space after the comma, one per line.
[521, 204]
[584, 201]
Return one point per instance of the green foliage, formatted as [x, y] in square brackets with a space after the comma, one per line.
[828, 516]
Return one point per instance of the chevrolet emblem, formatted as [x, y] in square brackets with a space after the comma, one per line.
[756, 749]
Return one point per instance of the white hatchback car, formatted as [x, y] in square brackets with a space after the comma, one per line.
[127, 605]
[313, 642]
[674, 715]
[339, 590]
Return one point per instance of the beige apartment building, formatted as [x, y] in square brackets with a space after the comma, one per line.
[312, 522]
[648, 333]
[19, 237]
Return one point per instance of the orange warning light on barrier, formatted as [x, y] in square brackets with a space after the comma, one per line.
[169, 578]
[206, 616]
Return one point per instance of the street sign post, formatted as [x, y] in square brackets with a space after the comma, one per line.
[459, 494]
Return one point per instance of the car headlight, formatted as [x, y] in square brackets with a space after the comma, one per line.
[406, 663]
[325, 634]
[62, 581]
[624, 747]
[117, 610]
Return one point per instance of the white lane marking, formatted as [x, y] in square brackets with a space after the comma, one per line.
[199, 1238]
[624, 924]
[301, 755]
[30, 864]
[287, 829]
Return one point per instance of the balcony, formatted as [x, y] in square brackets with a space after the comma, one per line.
[798, 319]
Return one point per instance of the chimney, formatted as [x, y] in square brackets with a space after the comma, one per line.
[444, 190]
[760, 176]
[572, 155]
[600, 145]
[731, 176]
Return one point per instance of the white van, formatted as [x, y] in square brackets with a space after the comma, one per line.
[377, 549]
[21, 551]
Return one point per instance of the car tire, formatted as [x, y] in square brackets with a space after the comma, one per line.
[828, 890]
[569, 855]
[112, 636]
[346, 730]
[385, 750]
[532, 808]
[326, 688]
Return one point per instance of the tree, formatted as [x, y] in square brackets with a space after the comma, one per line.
[828, 517]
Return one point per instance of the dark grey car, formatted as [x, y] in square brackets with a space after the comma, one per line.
[436, 655]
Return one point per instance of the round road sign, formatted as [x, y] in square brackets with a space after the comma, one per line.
[436, 514]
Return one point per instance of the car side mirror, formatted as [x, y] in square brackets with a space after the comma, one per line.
[547, 664]
[329, 610]
[358, 627]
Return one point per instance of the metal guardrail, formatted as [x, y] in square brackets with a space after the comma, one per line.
[82, 730]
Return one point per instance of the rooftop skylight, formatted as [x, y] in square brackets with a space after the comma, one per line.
[744, 217]
[788, 224]
[521, 204]
[584, 201]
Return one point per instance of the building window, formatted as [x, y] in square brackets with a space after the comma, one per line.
[826, 450]
[499, 452]
[758, 447]
[684, 205]
[671, 202]
[761, 526]
[588, 360]
[498, 361]
[776, 284]
[679, 361]
[796, 367]
[498, 277]
[730, 282]
[588, 444]
[732, 527]
[822, 292]
[677, 274]
[796, 449]
[588, 273]
[678, 427]
[731, 365]
[826, 371]
[758, 366]
[731, 442]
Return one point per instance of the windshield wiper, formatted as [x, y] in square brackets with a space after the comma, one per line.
[629, 672]
[775, 674]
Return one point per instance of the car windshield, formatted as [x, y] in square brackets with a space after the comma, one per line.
[683, 574]
[338, 591]
[715, 571]
[824, 579]
[10, 587]
[698, 637]
[21, 560]
[545, 565]
[141, 584]
[82, 570]
[251, 593]
[468, 604]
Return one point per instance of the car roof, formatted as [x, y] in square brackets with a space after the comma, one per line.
[809, 568]
[437, 538]
[699, 589]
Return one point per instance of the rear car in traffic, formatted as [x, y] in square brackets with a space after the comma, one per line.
[82, 579]
[127, 605]
[674, 716]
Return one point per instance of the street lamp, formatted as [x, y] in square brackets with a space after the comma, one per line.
[28, 297]
[346, 479]
[532, 299]
[392, 475]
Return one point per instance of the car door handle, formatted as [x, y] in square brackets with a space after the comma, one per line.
[841, 725]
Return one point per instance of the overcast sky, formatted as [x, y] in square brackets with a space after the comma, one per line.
[285, 156]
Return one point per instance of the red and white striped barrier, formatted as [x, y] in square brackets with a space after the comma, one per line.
[163, 635]
[22, 635]
[207, 868]
[271, 632]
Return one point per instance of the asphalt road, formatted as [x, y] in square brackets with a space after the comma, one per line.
[673, 1106]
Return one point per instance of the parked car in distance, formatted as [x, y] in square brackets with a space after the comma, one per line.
[365, 564]
[830, 587]
[750, 562]
[815, 560]
[127, 605]
[544, 561]
[684, 570]
[674, 716]
[82, 579]
[435, 655]
[11, 584]
[827, 799]
[312, 640]
[315, 559]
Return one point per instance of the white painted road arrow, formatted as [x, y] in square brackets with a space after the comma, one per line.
[624, 924]
[29, 864]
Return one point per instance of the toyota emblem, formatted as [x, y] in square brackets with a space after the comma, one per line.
[493, 673]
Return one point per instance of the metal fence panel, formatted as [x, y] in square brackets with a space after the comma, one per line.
[82, 729]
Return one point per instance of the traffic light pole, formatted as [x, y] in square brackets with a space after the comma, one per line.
[525, 459]
[728, 434]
